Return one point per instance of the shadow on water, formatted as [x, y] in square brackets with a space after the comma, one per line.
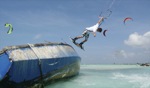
[5, 84]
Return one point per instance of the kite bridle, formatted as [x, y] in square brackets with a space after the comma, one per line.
[109, 13]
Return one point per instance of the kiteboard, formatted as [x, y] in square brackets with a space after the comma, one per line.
[77, 44]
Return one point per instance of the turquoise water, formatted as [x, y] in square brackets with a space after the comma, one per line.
[107, 76]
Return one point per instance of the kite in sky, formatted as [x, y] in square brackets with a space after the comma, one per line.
[126, 19]
[104, 32]
[10, 28]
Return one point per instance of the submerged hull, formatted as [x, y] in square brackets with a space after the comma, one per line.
[40, 63]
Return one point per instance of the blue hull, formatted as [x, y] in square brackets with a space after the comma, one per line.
[21, 71]
[40, 62]
[5, 65]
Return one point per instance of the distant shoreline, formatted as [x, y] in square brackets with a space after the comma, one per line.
[140, 64]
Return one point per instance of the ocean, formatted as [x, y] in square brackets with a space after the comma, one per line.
[107, 76]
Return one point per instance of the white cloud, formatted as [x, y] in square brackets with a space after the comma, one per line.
[137, 40]
[38, 36]
[120, 53]
[123, 54]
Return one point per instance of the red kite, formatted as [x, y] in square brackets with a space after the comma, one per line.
[128, 18]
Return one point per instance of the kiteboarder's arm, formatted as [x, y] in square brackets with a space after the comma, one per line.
[100, 19]
[94, 34]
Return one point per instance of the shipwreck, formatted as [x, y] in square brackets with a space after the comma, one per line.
[27, 64]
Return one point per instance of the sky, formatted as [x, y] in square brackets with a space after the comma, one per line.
[36, 21]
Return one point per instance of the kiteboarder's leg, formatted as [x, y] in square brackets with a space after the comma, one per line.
[85, 40]
[78, 37]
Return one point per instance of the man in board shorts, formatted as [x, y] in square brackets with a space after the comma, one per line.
[88, 30]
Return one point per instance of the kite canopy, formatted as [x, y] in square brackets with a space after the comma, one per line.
[10, 28]
[126, 19]
[104, 32]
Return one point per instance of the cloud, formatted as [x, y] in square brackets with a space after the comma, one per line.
[120, 53]
[38, 36]
[123, 54]
[137, 40]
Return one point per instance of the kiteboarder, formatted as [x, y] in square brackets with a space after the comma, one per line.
[88, 30]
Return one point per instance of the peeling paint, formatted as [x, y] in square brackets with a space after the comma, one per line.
[45, 52]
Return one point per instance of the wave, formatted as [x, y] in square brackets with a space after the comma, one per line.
[137, 80]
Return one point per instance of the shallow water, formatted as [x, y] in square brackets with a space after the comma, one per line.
[107, 76]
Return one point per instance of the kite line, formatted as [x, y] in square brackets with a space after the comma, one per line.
[108, 12]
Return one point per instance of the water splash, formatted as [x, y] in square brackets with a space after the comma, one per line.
[138, 80]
